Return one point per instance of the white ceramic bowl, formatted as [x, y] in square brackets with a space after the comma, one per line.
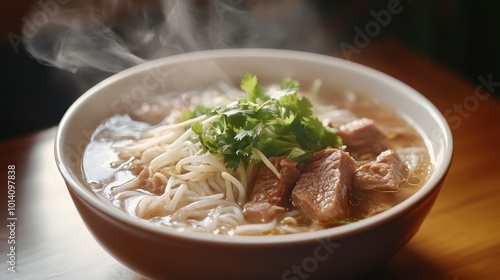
[162, 253]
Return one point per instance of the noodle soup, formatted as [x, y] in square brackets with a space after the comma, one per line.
[158, 163]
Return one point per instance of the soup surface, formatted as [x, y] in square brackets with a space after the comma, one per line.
[158, 162]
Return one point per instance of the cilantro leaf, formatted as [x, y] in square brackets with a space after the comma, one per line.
[191, 114]
[274, 126]
[290, 86]
[250, 85]
[197, 128]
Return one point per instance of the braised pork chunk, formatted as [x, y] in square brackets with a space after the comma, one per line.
[383, 174]
[322, 191]
[271, 195]
[362, 137]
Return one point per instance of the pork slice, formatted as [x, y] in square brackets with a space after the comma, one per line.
[271, 195]
[363, 139]
[322, 191]
[383, 174]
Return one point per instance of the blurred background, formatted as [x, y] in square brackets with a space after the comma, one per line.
[461, 35]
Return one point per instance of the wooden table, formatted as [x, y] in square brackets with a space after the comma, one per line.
[459, 240]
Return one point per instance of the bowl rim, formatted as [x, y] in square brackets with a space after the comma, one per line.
[425, 191]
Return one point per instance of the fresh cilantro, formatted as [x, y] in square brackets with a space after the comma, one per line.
[275, 127]
[290, 86]
[197, 128]
[250, 85]
[191, 114]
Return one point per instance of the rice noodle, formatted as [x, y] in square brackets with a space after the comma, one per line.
[199, 192]
[255, 228]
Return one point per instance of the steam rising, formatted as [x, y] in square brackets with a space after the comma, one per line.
[112, 35]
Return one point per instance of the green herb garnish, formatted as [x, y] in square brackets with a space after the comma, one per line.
[274, 126]
[198, 111]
